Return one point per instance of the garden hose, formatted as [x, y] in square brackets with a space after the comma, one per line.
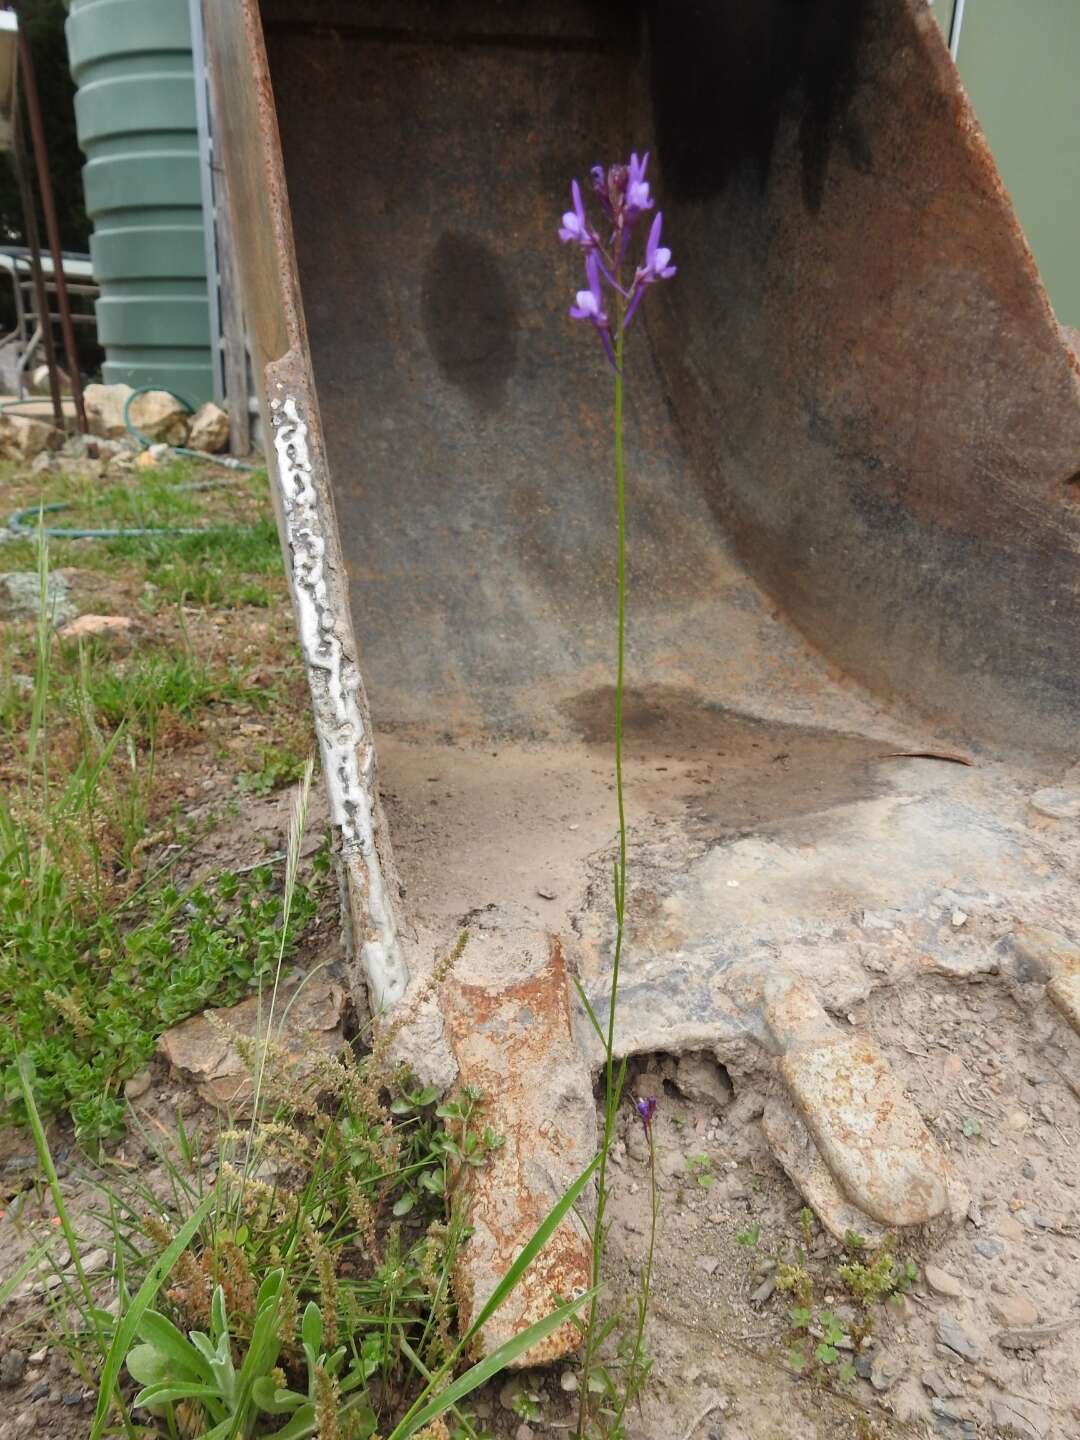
[20, 526]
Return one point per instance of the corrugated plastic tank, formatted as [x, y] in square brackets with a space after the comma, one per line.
[135, 111]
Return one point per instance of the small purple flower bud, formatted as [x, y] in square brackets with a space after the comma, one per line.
[646, 1109]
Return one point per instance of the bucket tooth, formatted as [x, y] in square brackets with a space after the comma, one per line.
[795, 1151]
[869, 1134]
[508, 1016]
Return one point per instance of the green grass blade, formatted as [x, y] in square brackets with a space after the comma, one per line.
[483, 1370]
[126, 1330]
[31, 1262]
[540, 1237]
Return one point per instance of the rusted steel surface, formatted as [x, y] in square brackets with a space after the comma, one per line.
[508, 1017]
[863, 359]
[304, 505]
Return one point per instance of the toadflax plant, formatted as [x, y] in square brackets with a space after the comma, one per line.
[619, 272]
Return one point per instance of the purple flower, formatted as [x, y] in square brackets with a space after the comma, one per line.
[657, 266]
[646, 1109]
[575, 226]
[590, 304]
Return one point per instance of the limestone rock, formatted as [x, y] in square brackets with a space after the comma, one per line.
[201, 1049]
[20, 596]
[942, 1283]
[21, 438]
[209, 429]
[105, 410]
[160, 417]
[86, 625]
[1013, 1310]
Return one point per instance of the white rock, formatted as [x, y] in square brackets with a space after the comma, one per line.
[21, 438]
[105, 409]
[209, 429]
[86, 625]
[942, 1283]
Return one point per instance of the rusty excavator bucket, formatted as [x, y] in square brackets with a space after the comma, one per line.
[853, 474]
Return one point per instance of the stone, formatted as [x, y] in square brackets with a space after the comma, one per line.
[701, 1078]
[885, 1370]
[953, 1335]
[44, 462]
[20, 595]
[568, 1382]
[138, 1085]
[83, 626]
[209, 429]
[201, 1050]
[105, 410]
[96, 1261]
[942, 1283]
[1013, 1310]
[40, 383]
[160, 417]
[990, 1248]
[12, 1368]
[21, 437]
[938, 1383]
[709, 1263]
[1016, 1416]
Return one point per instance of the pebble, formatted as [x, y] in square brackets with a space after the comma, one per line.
[942, 1283]
[885, 1370]
[95, 1261]
[73, 1398]
[523, 1432]
[40, 1390]
[953, 1335]
[138, 1085]
[1014, 1310]
[38, 1357]
[568, 1381]
[708, 1263]
[1009, 1229]
[1028, 1170]
[12, 1368]
[990, 1248]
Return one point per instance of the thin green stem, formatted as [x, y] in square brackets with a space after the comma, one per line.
[613, 1078]
[633, 1374]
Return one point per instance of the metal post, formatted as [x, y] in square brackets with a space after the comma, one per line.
[33, 244]
[52, 229]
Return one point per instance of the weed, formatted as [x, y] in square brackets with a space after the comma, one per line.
[749, 1237]
[277, 767]
[700, 1167]
[886, 1278]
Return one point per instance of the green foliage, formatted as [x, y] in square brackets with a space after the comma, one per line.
[700, 1167]
[277, 767]
[749, 1237]
[884, 1279]
[88, 997]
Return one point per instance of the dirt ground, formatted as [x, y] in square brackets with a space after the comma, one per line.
[988, 1336]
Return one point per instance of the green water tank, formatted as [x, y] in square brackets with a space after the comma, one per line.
[135, 112]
